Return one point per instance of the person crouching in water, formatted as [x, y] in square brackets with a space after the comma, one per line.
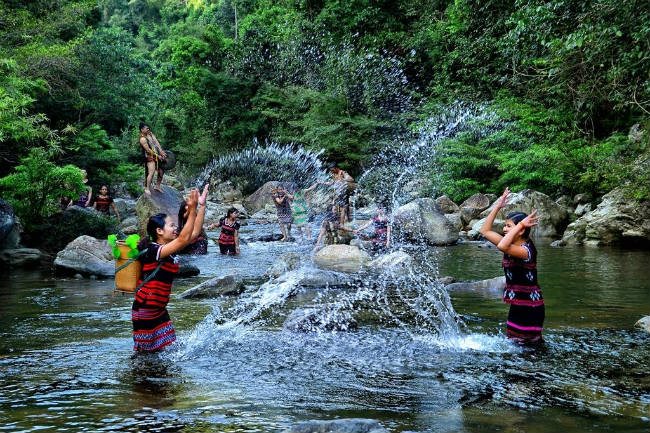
[152, 327]
[382, 231]
[229, 236]
[522, 292]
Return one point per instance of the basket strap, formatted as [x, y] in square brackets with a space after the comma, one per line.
[149, 277]
[128, 262]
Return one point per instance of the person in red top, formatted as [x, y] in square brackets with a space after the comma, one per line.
[103, 202]
[152, 327]
[229, 237]
[522, 291]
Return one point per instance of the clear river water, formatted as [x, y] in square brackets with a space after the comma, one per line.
[66, 360]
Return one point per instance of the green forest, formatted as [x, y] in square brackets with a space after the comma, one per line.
[568, 83]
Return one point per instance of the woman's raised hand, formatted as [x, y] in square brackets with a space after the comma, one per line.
[204, 195]
[530, 220]
[192, 199]
[503, 200]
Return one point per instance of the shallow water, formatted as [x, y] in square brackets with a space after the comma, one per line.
[66, 362]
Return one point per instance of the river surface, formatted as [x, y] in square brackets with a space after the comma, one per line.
[66, 360]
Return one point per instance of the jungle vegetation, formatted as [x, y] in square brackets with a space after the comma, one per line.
[568, 82]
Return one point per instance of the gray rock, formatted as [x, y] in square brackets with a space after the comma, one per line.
[341, 258]
[473, 206]
[260, 198]
[88, 256]
[9, 228]
[492, 286]
[216, 287]
[422, 221]
[21, 258]
[320, 319]
[447, 205]
[392, 262]
[167, 202]
[286, 262]
[643, 323]
[616, 220]
[346, 425]
[315, 278]
[553, 218]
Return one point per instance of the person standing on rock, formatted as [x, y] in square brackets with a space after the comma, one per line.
[522, 292]
[152, 326]
[282, 201]
[153, 154]
[229, 237]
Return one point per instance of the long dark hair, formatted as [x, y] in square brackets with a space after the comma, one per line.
[231, 211]
[155, 222]
[517, 217]
[181, 216]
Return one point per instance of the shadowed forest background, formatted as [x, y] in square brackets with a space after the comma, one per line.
[567, 82]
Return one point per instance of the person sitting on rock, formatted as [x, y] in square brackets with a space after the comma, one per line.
[103, 202]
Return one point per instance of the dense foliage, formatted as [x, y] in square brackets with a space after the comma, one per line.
[566, 80]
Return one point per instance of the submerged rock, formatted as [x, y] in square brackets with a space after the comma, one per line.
[286, 262]
[21, 258]
[320, 319]
[391, 262]
[341, 258]
[215, 287]
[346, 425]
[643, 323]
[492, 286]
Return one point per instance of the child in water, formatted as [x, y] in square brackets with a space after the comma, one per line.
[526, 315]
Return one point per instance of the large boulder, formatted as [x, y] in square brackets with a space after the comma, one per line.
[553, 218]
[9, 229]
[168, 202]
[287, 262]
[447, 205]
[422, 221]
[226, 192]
[345, 425]
[88, 256]
[616, 220]
[260, 198]
[473, 206]
[341, 258]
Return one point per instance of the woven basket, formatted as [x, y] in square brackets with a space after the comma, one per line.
[126, 280]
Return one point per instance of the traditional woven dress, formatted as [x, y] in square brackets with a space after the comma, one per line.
[283, 209]
[152, 327]
[103, 203]
[227, 243]
[526, 315]
[380, 236]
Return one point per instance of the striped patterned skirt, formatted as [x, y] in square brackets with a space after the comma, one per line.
[152, 329]
[525, 323]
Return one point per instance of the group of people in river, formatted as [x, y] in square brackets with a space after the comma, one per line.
[152, 326]
[102, 202]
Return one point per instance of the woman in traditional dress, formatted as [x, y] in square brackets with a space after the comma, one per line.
[282, 201]
[104, 202]
[382, 230]
[152, 327]
[229, 237]
[522, 292]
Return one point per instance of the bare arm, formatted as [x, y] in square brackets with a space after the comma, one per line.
[90, 196]
[185, 236]
[117, 214]
[388, 233]
[486, 229]
[506, 243]
[200, 216]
